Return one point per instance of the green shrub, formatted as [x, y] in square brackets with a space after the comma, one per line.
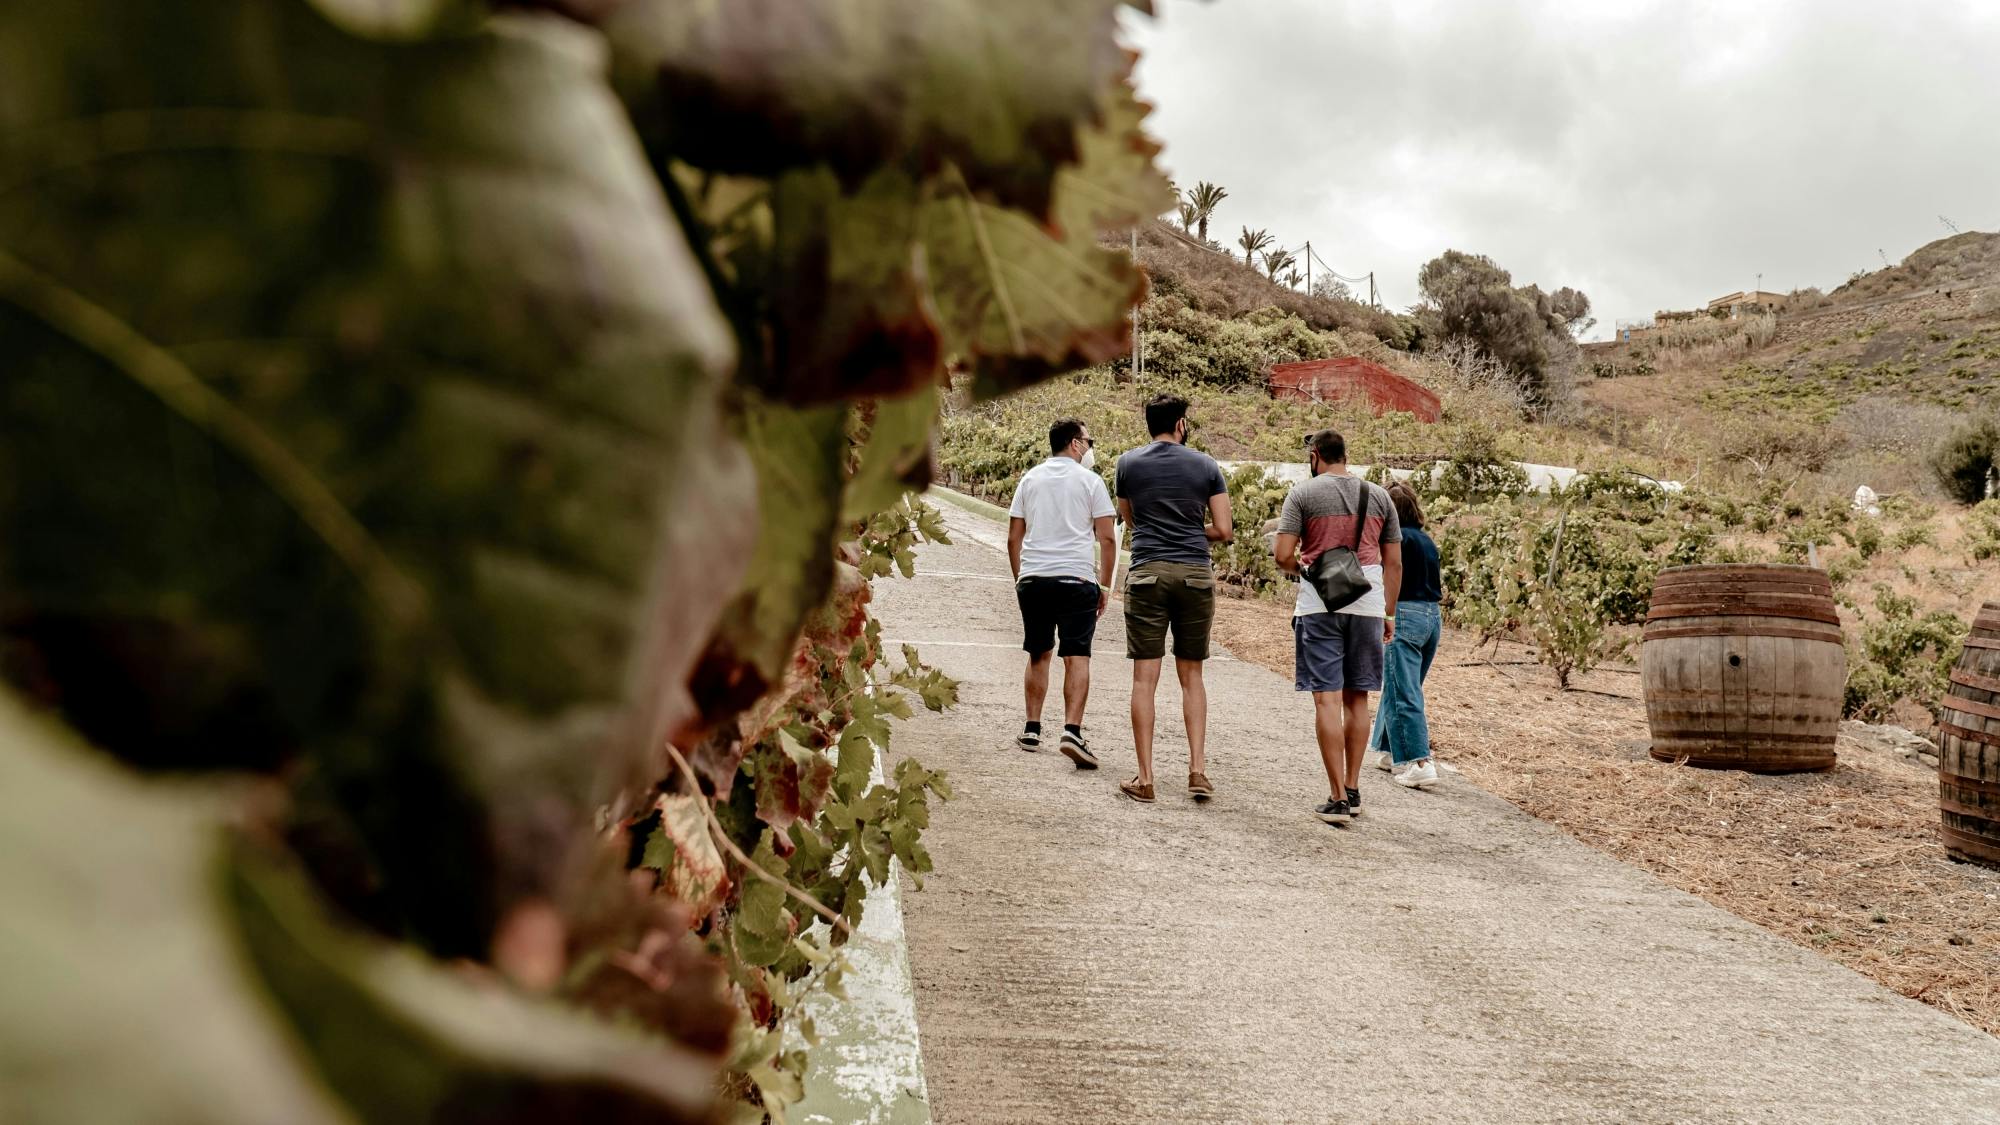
[1900, 655]
[1255, 497]
[1982, 531]
[1963, 459]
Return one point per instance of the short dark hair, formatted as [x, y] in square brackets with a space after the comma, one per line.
[1409, 512]
[1162, 411]
[1065, 430]
[1331, 447]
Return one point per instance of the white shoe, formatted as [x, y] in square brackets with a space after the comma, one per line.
[1417, 774]
[1379, 759]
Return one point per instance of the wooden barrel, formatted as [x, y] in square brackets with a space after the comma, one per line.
[1744, 668]
[1969, 746]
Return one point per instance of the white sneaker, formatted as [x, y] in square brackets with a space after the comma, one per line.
[1417, 774]
[1379, 759]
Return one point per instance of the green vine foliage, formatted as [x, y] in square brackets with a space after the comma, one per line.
[478, 425]
[1901, 655]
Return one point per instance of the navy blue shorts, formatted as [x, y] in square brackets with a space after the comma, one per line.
[1337, 652]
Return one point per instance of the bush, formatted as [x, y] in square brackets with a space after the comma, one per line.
[1962, 460]
[1982, 531]
[1255, 497]
[1900, 656]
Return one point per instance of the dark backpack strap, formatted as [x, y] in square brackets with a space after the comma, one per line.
[1361, 519]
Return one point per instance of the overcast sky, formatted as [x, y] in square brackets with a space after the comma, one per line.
[1652, 154]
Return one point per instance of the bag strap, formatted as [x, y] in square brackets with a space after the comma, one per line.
[1361, 520]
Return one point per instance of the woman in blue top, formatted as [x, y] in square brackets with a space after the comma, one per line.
[1401, 741]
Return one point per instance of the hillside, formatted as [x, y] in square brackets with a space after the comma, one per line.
[1847, 386]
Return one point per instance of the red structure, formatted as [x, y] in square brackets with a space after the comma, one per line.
[1351, 377]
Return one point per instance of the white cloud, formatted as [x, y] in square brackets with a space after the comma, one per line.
[1652, 154]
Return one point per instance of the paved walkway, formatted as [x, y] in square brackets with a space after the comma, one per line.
[1080, 958]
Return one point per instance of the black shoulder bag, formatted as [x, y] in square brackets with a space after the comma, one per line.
[1336, 574]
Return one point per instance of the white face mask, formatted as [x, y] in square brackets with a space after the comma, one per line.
[1089, 458]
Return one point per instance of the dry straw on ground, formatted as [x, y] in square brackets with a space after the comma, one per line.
[1846, 862]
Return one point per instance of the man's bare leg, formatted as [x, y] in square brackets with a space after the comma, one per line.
[1145, 681]
[1194, 711]
[1355, 703]
[1038, 684]
[1076, 688]
[1328, 729]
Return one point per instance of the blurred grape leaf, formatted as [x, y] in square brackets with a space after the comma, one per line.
[157, 969]
[369, 373]
[758, 87]
[895, 456]
[801, 460]
[1020, 302]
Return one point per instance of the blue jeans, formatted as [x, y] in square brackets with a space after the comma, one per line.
[1400, 727]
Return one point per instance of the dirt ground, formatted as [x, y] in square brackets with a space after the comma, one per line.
[1845, 862]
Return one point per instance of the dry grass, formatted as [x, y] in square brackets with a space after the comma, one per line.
[1846, 862]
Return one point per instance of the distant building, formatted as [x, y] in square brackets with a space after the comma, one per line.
[1734, 301]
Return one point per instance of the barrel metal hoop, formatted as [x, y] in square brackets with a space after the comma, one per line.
[1657, 631]
[1964, 678]
[1978, 736]
[1966, 706]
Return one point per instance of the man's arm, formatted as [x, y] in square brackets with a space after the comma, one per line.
[1287, 553]
[1392, 587]
[1125, 512]
[1221, 522]
[1107, 559]
[1017, 530]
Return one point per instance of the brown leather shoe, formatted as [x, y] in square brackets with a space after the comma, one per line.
[1199, 788]
[1140, 793]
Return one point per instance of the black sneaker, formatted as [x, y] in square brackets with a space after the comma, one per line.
[1077, 749]
[1334, 812]
[1029, 740]
[1354, 802]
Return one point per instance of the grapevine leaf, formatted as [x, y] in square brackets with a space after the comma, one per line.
[369, 391]
[792, 781]
[696, 875]
[757, 87]
[857, 761]
[147, 886]
[1022, 302]
[800, 456]
[896, 457]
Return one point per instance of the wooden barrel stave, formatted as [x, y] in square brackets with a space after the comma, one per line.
[1774, 707]
[1969, 747]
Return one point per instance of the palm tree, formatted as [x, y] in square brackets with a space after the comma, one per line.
[1275, 260]
[1292, 279]
[1252, 241]
[1188, 216]
[1205, 198]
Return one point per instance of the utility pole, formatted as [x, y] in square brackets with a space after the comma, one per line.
[1138, 359]
[1309, 267]
[1373, 300]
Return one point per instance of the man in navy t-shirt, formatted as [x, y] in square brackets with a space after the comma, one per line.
[1176, 503]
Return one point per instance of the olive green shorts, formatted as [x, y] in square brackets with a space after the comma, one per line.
[1164, 595]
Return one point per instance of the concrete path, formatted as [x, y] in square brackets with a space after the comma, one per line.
[1080, 958]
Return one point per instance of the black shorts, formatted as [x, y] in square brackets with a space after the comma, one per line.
[1057, 605]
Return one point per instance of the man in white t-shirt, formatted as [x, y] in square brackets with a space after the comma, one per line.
[1062, 548]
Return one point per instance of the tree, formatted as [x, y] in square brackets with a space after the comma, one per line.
[1187, 216]
[1252, 241]
[1963, 460]
[1328, 286]
[1275, 260]
[1476, 299]
[1573, 309]
[1292, 278]
[1206, 197]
